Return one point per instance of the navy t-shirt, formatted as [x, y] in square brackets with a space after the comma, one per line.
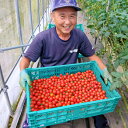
[53, 51]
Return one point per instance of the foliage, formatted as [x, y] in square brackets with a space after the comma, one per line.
[120, 79]
[108, 21]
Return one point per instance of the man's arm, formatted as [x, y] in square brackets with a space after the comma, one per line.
[98, 60]
[105, 74]
[24, 63]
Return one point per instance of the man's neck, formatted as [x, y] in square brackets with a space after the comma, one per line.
[63, 36]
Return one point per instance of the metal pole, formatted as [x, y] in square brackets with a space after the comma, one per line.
[15, 47]
[4, 89]
[43, 12]
[38, 7]
[19, 24]
[30, 17]
[46, 12]
[49, 6]
[49, 10]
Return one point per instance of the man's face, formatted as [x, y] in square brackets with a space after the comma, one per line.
[65, 19]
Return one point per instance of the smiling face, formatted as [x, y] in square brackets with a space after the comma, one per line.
[65, 20]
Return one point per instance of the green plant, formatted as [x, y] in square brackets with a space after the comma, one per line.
[108, 21]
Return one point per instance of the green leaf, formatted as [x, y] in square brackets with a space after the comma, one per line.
[126, 73]
[122, 61]
[92, 31]
[90, 26]
[116, 63]
[104, 29]
[107, 34]
[126, 82]
[86, 18]
[124, 13]
[98, 0]
[125, 57]
[101, 22]
[121, 36]
[112, 25]
[124, 28]
[115, 85]
[102, 14]
[116, 74]
[123, 53]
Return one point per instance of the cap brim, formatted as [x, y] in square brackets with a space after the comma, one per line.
[77, 8]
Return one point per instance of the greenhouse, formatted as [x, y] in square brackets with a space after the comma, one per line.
[64, 64]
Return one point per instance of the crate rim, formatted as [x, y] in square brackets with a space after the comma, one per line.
[75, 26]
[51, 67]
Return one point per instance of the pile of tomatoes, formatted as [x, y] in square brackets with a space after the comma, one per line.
[65, 90]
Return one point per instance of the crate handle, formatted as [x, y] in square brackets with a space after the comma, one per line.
[27, 94]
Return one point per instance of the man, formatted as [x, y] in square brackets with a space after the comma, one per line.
[60, 45]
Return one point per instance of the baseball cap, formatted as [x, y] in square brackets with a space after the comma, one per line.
[55, 4]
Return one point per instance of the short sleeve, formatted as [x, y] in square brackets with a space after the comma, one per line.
[35, 48]
[85, 46]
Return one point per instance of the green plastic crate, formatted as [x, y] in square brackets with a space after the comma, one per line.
[71, 112]
[78, 26]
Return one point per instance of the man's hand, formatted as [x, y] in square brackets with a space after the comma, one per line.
[106, 76]
[24, 77]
